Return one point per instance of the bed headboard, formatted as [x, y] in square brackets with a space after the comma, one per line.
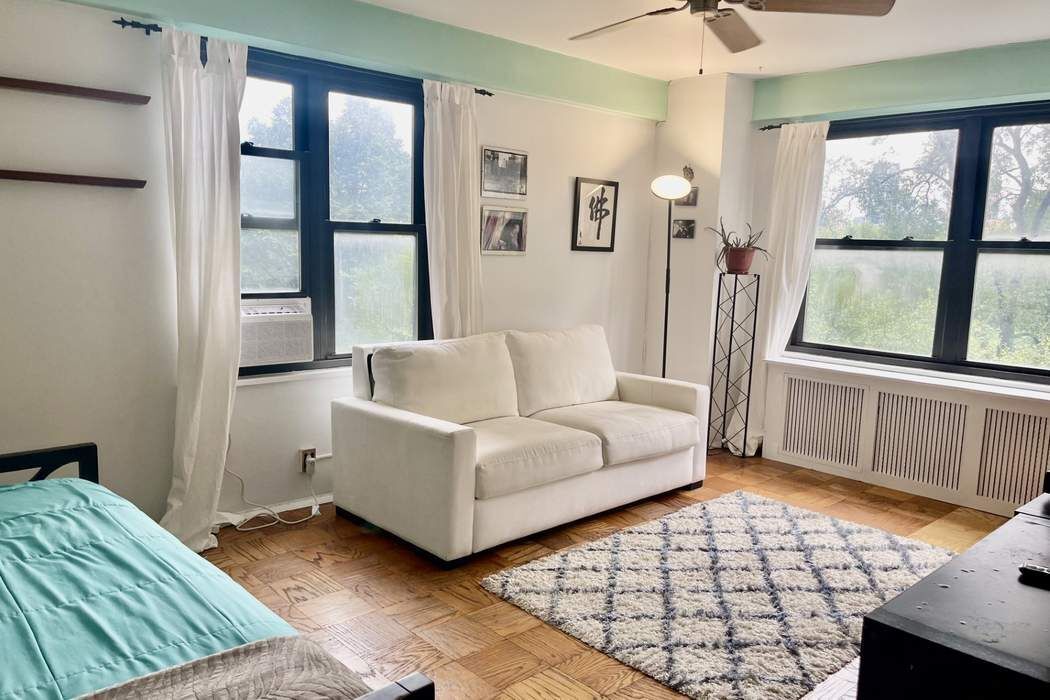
[50, 460]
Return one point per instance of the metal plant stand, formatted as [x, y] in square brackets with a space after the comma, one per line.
[732, 359]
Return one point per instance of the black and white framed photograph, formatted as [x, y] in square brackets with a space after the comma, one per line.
[504, 173]
[683, 228]
[503, 230]
[690, 199]
[594, 214]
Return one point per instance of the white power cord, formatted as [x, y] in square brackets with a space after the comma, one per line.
[315, 510]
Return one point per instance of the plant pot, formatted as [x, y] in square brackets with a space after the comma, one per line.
[738, 260]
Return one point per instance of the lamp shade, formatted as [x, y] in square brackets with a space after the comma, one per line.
[670, 187]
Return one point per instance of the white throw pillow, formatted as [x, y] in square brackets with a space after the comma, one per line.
[561, 368]
[462, 380]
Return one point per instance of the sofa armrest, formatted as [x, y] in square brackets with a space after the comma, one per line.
[407, 473]
[674, 395]
[665, 393]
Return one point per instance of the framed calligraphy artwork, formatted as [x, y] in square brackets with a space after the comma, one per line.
[594, 215]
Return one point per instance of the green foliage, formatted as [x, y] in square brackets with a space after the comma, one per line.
[873, 300]
[371, 178]
[1019, 183]
[882, 199]
[269, 260]
[375, 289]
[731, 239]
[888, 301]
[1011, 311]
[371, 174]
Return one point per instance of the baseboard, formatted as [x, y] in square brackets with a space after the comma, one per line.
[232, 518]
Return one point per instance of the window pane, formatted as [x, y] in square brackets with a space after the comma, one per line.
[266, 114]
[269, 261]
[370, 150]
[375, 289]
[889, 187]
[1019, 184]
[268, 187]
[875, 300]
[1010, 322]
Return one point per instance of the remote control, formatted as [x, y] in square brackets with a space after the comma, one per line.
[1036, 574]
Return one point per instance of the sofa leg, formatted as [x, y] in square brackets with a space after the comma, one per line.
[694, 486]
[448, 565]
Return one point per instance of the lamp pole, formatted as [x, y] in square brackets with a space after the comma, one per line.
[669, 188]
[667, 287]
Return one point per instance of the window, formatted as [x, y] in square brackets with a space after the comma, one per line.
[331, 200]
[933, 245]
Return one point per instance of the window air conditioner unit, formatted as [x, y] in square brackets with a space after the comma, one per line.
[276, 331]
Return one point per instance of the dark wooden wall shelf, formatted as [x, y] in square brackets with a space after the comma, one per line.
[60, 178]
[73, 91]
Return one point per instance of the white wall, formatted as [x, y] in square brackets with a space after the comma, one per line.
[273, 418]
[692, 135]
[87, 330]
[552, 286]
[87, 323]
[708, 128]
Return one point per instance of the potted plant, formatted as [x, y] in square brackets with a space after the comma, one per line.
[738, 252]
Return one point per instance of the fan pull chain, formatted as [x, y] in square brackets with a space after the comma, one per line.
[703, 35]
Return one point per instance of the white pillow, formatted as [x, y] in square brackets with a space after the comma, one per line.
[561, 368]
[462, 380]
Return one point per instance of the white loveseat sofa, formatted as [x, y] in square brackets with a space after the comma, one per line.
[461, 445]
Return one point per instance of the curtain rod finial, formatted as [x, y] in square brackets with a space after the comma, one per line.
[135, 24]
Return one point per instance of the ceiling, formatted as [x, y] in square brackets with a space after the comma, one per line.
[669, 47]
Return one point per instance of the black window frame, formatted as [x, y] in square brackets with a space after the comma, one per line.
[312, 80]
[962, 246]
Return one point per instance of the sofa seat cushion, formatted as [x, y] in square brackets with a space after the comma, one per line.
[518, 453]
[629, 431]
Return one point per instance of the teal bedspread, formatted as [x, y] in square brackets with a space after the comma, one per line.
[93, 593]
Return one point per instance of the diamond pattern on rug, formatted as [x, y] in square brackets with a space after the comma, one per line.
[738, 597]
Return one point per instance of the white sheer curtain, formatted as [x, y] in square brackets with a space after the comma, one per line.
[203, 139]
[451, 186]
[797, 180]
[798, 177]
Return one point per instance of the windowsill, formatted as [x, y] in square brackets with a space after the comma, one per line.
[1005, 388]
[298, 376]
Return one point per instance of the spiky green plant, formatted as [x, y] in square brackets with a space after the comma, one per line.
[731, 239]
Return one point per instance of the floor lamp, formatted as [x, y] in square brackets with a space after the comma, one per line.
[669, 187]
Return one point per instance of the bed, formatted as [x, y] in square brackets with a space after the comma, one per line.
[94, 594]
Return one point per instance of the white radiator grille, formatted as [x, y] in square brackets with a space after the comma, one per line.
[919, 439]
[822, 421]
[1015, 454]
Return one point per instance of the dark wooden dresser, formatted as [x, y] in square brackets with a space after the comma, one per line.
[970, 629]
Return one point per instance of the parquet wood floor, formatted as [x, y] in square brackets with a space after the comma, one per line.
[386, 610]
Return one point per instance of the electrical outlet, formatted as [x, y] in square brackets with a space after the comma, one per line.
[307, 467]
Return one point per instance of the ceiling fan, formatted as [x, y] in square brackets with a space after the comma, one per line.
[733, 31]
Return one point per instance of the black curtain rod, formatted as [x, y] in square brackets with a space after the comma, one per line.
[771, 127]
[150, 28]
[135, 24]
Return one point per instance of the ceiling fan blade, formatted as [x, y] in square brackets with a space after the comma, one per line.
[619, 25]
[732, 30]
[873, 8]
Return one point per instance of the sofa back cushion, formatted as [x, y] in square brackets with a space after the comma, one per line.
[561, 368]
[462, 380]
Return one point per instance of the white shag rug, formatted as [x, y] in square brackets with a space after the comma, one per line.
[738, 597]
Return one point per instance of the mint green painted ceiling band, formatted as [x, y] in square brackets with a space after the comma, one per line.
[356, 33]
[993, 75]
